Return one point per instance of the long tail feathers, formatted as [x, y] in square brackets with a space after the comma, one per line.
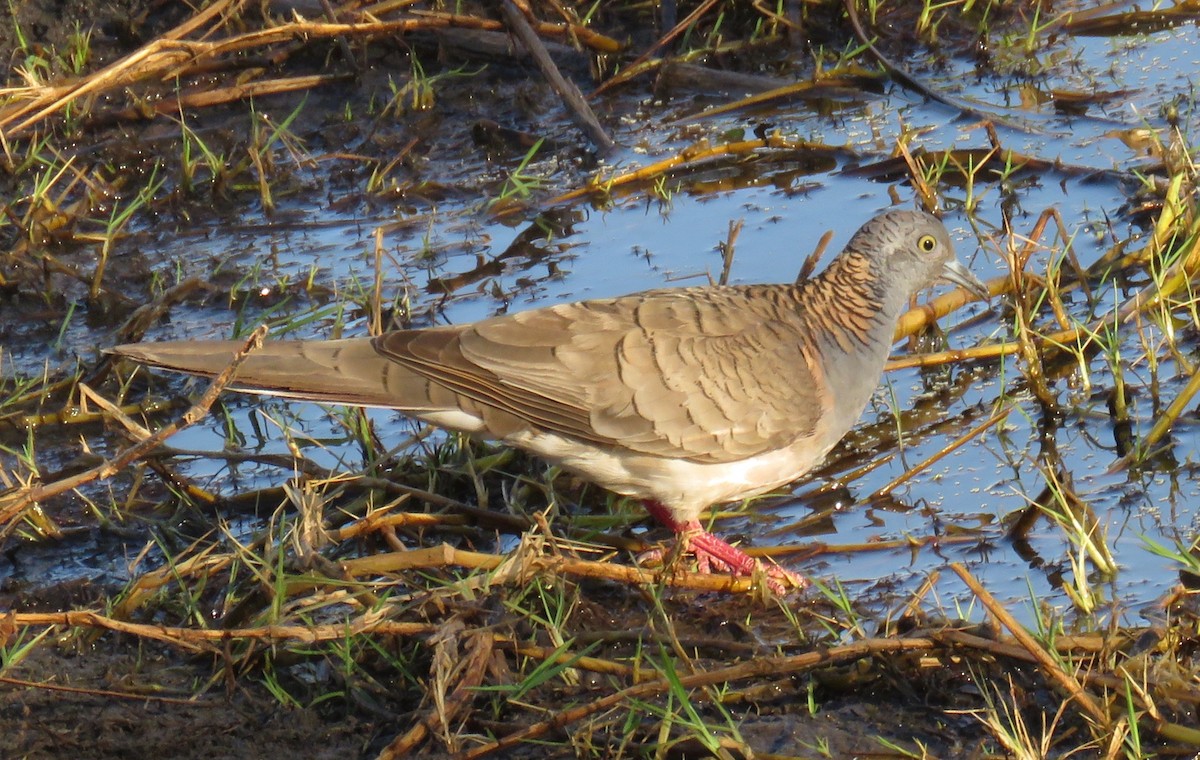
[336, 371]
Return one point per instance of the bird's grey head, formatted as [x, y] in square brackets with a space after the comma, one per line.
[909, 250]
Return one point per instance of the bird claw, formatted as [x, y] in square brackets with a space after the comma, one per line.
[707, 563]
[713, 554]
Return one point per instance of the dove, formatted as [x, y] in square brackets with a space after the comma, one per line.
[682, 398]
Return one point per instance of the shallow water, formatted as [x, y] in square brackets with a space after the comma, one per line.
[635, 242]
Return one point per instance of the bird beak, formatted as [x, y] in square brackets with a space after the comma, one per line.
[954, 272]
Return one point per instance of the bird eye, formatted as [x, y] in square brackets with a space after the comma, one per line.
[927, 243]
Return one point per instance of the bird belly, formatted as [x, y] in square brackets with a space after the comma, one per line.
[683, 486]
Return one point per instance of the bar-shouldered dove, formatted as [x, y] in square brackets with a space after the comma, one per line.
[683, 398]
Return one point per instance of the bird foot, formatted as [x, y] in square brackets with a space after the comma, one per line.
[713, 554]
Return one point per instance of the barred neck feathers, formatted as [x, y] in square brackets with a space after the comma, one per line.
[848, 305]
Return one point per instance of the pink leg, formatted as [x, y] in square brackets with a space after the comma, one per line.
[712, 552]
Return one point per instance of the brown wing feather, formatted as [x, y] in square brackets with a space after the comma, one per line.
[698, 374]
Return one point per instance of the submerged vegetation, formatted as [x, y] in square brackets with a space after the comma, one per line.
[393, 589]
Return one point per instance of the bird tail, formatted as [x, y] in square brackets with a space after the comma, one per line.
[346, 371]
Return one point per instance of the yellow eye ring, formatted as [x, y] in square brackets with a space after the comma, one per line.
[927, 243]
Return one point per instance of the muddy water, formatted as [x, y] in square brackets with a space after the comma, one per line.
[438, 233]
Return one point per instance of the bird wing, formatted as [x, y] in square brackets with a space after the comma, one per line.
[705, 374]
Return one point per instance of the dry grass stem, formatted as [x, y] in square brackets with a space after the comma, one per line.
[13, 504]
[1049, 665]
